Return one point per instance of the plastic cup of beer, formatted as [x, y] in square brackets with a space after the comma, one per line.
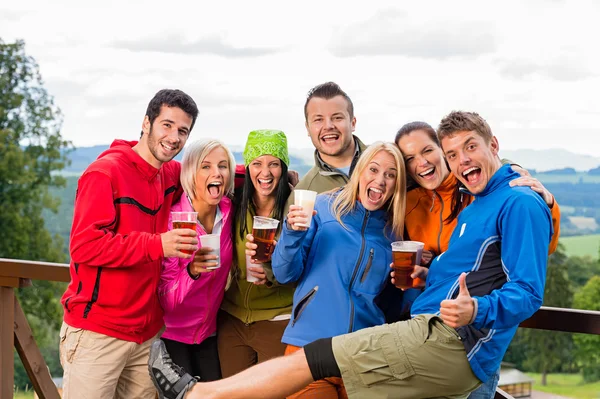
[263, 230]
[212, 241]
[406, 255]
[250, 278]
[184, 220]
[306, 199]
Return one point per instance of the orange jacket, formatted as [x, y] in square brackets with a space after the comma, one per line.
[426, 211]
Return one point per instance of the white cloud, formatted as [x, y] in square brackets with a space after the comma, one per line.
[530, 68]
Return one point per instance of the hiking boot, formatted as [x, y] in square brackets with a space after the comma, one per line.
[171, 381]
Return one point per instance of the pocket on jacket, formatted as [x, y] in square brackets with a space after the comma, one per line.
[303, 303]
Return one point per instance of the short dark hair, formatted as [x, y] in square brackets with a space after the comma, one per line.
[327, 90]
[461, 121]
[410, 127]
[172, 98]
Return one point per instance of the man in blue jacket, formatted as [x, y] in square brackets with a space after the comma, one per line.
[489, 280]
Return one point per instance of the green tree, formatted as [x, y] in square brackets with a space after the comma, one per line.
[587, 345]
[31, 150]
[548, 351]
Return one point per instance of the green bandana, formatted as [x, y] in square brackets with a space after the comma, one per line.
[266, 142]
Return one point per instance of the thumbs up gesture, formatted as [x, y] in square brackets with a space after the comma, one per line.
[460, 311]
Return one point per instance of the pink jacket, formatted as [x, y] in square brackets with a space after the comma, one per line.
[190, 305]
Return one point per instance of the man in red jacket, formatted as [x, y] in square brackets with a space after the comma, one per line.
[118, 238]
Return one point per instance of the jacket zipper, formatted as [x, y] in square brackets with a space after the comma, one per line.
[303, 303]
[441, 226]
[200, 322]
[439, 238]
[368, 267]
[247, 303]
[356, 267]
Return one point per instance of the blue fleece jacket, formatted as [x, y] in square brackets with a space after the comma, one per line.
[501, 241]
[339, 272]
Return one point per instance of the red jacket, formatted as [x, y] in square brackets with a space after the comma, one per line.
[121, 207]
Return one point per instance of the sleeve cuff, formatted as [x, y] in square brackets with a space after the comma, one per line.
[190, 273]
[475, 308]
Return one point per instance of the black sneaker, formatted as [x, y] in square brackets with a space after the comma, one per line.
[171, 381]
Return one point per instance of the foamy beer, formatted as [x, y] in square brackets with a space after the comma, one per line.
[306, 199]
[184, 220]
[405, 255]
[263, 230]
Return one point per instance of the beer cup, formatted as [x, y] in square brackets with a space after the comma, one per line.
[405, 255]
[184, 220]
[212, 241]
[263, 230]
[306, 199]
[250, 278]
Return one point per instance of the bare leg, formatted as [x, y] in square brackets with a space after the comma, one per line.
[273, 379]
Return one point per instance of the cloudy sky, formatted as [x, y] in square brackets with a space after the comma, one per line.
[532, 69]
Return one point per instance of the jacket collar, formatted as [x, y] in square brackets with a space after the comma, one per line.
[325, 169]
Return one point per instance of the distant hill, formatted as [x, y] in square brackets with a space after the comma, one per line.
[301, 159]
[81, 157]
[542, 160]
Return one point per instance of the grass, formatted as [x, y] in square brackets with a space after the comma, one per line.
[569, 385]
[582, 245]
[23, 395]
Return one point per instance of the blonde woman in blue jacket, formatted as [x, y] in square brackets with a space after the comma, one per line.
[341, 262]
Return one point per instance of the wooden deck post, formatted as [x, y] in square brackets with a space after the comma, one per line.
[7, 325]
[32, 358]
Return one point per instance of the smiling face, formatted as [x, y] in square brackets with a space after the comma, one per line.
[166, 136]
[471, 159]
[377, 181]
[330, 127]
[212, 177]
[265, 173]
[424, 159]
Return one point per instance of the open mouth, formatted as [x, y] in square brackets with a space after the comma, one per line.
[428, 173]
[472, 174]
[265, 183]
[330, 138]
[168, 147]
[214, 188]
[374, 194]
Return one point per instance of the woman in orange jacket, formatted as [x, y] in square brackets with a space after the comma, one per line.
[435, 200]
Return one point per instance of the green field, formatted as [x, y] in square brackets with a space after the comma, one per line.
[582, 245]
[569, 385]
[23, 395]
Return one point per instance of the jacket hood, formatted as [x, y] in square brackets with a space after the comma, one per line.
[125, 148]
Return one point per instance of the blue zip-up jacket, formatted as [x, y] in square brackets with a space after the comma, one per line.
[501, 241]
[339, 272]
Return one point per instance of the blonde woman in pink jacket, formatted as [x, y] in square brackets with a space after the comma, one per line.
[190, 291]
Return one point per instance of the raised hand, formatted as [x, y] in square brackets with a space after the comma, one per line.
[536, 186]
[179, 243]
[295, 216]
[458, 312]
[203, 258]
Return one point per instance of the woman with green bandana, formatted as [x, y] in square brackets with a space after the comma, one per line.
[254, 314]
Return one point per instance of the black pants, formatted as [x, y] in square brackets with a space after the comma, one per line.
[201, 360]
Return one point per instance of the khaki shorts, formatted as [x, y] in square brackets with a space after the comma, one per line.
[417, 358]
[98, 366]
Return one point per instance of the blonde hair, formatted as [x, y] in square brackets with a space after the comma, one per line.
[345, 202]
[193, 156]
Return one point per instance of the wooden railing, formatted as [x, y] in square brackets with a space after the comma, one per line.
[560, 319]
[15, 331]
[14, 328]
